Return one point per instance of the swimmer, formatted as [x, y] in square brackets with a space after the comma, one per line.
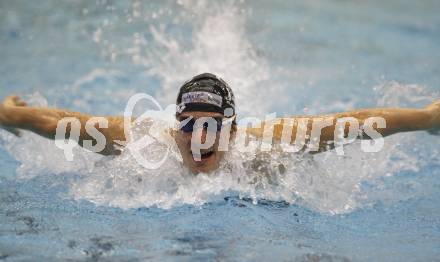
[206, 95]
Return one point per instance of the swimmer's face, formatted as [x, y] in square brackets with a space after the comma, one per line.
[210, 157]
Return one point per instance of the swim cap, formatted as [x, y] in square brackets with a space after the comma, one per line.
[207, 93]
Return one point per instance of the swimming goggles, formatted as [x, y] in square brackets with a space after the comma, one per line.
[188, 124]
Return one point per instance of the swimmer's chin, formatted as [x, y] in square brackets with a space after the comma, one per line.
[202, 170]
[205, 166]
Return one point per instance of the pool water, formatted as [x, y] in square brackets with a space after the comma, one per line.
[291, 58]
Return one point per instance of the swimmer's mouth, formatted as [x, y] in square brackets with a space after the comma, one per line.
[203, 155]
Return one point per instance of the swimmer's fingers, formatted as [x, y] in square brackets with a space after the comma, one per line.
[434, 107]
[8, 102]
[434, 111]
[13, 101]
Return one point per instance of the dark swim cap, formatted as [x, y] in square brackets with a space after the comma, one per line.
[207, 93]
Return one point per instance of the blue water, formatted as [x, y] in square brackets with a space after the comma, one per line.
[285, 57]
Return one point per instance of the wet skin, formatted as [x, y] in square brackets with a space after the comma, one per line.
[210, 158]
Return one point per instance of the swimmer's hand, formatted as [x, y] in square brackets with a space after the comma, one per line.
[5, 107]
[434, 111]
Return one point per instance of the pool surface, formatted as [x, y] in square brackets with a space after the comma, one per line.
[292, 58]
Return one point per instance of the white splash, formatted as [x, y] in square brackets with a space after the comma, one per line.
[219, 45]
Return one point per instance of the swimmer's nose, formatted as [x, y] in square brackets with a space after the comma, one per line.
[204, 134]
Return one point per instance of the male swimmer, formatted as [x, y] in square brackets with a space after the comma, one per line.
[206, 95]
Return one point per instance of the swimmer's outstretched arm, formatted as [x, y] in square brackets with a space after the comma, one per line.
[15, 115]
[397, 120]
